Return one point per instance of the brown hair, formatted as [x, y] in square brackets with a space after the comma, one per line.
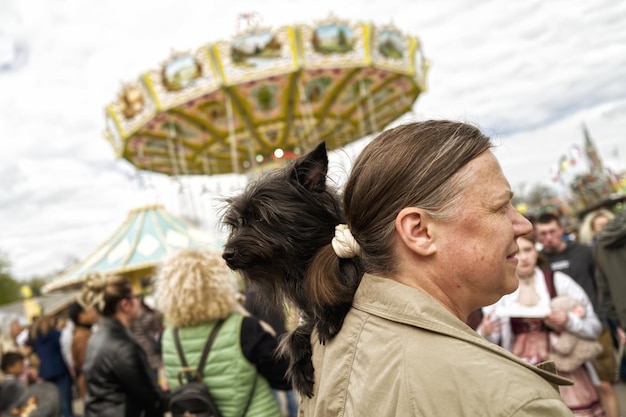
[42, 326]
[413, 165]
[104, 292]
[542, 261]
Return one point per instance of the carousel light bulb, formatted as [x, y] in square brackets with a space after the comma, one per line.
[259, 158]
[278, 153]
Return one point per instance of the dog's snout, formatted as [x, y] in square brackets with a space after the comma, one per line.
[228, 254]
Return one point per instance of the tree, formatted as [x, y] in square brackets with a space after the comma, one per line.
[9, 288]
[36, 284]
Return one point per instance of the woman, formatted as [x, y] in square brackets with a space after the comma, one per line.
[83, 319]
[145, 330]
[46, 342]
[116, 369]
[528, 337]
[194, 290]
[592, 225]
[430, 236]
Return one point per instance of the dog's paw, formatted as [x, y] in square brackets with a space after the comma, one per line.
[297, 347]
[329, 322]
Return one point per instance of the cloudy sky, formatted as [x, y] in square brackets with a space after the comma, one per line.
[529, 73]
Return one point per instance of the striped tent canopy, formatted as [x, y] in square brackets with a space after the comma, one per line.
[137, 246]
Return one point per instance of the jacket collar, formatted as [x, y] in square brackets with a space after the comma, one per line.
[397, 302]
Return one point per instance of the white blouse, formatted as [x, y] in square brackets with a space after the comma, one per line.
[588, 326]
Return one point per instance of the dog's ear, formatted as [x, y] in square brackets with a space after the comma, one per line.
[310, 170]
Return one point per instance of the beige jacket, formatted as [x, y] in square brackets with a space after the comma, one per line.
[400, 353]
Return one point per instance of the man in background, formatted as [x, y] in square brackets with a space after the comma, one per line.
[610, 256]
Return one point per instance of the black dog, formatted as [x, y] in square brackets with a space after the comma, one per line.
[277, 225]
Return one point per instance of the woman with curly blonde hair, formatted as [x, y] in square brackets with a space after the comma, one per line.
[194, 291]
[117, 374]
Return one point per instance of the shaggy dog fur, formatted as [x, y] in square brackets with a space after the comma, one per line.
[277, 225]
[194, 287]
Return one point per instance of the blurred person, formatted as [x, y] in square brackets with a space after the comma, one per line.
[20, 334]
[7, 342]
[195, 290]
[145, 331]
[274, 317]
[45, 340]
[576, 260]
[83, 318]
[521, 322]
[67, 332]
[41, 399]
[117, 374]
[610, 256]
[592, 224]
[429, 235]
[12, 389]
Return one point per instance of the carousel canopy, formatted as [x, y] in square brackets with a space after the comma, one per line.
[232, 106]
[137, 246]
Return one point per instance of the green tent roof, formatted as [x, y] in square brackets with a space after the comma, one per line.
[147, 235]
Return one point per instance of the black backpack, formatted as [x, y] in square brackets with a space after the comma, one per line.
[193, 398]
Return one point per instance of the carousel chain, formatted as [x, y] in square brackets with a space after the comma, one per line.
[370, 106]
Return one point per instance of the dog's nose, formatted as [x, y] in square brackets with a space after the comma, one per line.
[228, 254]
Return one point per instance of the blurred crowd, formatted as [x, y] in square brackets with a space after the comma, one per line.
[197, 335]
[569, 307]
[113, 352]
[112, 346]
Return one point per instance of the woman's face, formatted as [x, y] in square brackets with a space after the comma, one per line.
[527, 257]
[598, 223]
[479, 247]
[132, 306]
[88, 316]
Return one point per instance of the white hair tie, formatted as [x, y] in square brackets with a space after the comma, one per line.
[344, 244]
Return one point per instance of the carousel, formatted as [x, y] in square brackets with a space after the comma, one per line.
[265, 96]
[136, 248]
[242, 105]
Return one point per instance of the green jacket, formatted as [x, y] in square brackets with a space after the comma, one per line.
[228, 375]
[400, 353]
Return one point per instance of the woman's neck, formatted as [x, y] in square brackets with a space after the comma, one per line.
[527, 279]
[122, 318]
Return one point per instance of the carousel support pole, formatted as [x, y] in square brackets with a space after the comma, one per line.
[370, 106]
[311, 134]
[362, 118]
[252, 158]
[171, 133]
[181, 156]
[183, 164]
[231, 133]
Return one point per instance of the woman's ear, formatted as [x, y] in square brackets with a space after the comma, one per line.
[414, 227]
[124, 305]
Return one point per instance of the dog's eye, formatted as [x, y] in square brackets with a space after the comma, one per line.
[258, 217]
[241, 221]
